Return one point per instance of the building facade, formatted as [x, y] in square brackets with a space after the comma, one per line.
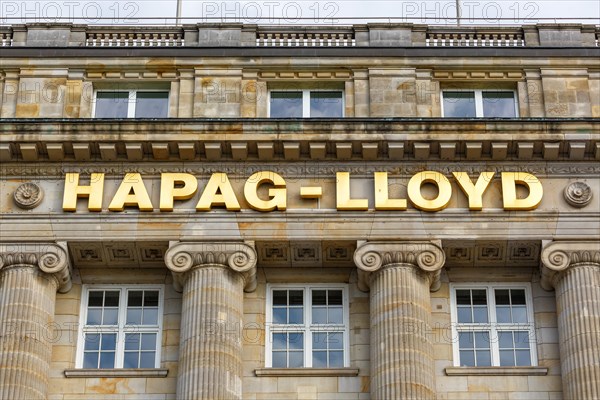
[224, 211]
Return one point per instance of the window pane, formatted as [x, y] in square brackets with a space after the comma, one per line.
[482, 340]
[279, 359]
[463, 297]
[296, 298]
[151, 298]
[467, 358]
[152, 105]
[498, 104]
[130, 360]
[147, 359]
[111, 299]
[319, 341]
[336, 315]
[92, 342]
[319, 359]
[107, 360]
[150, 316]
[279, 341]
[90, 360]
[503, 314]
[111, 316]
[523, 357]
[519, 314]
[326, 104]
[505, 339]
[319, 297]
[296, 316]
[95, 298]
[94, 316]
[484, 358]
[336, 340]
[465, 340]
[319, 315]
[480, 314]
[517, 297]
[522, 339]
[280, 315]
[108, 341]
[335, 298]
[459, 104]
[134, 298]
[286, 105]
[336, 359]
[134, 316]
[464, 315]
[296, 341]
[149, 341]
[502, 297]
[507, 358]
[296, 359]
[279, 297]
[479, 297]
[132, 341]
[112, 104]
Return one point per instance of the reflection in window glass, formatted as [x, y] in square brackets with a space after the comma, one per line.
[112, 104]
[459, 104]
[286, 104]
[152, 105]
[326, 104]
[498, 104]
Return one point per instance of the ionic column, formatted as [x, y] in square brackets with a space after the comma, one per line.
[573, 270]
[400, 276]
[30, 275]
[213, 277]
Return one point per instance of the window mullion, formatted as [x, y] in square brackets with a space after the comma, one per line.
[120, 347]
[479, 103]
[306, 103]
[307, 324]
[131, 103]
[494, 338]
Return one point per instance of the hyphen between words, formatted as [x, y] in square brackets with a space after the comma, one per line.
[219, 192]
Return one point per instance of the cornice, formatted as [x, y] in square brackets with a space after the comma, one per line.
[558, 256]
[371, 257]
[50, 258]
[182, 257]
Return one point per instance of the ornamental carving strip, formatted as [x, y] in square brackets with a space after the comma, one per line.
[371, 257]
[182, 257]
[48, 257]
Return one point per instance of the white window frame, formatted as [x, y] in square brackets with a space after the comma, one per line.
[306, 100]
[479, 100]
[492, 326]
[131, 98]
[121, 329]
[307, 328]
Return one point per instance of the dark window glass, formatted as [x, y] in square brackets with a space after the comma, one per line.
[326, 104]
[152, 105]
[459, 104]
[112, 104]
[498, 104]
[286, 104]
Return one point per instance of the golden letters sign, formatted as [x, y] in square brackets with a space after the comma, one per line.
[219, 193]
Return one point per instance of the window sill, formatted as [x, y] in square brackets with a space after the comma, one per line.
[117, 373]
[306, 371]
[496, 371]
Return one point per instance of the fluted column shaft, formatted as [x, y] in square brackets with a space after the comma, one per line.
[213, 277]
[30, 275]
[573, 269]
[402, 364]
[578, 307]
[210, 358]
[400, 276]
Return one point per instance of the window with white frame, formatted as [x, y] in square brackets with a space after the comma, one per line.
[116, 103]
[306, 103]
[120, 327]
[307, 326]
[493, 325]
[471, 103]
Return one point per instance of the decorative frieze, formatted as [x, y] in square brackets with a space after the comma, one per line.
[182, 257]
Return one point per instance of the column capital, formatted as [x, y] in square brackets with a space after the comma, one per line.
[428, 256]
[181, 257]
[558, 256]
[51, 258]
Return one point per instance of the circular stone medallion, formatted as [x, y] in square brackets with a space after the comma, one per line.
[28, 195]
[578, 194]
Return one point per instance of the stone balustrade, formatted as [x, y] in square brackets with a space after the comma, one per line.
[249, 35]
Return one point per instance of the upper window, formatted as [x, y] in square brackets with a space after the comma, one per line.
[479, 103]
[306, 104]
[493, 325]
[131, 104]
[120, 327]
[307, 326]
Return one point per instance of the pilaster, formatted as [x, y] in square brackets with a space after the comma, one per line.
[30, 275]
[573, 270]
[400, 275]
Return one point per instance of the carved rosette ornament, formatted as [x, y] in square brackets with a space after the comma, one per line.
[28, 195]
[578, 194]
[371, 257]
[181, 257]
[48, 257]
[558, 256]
